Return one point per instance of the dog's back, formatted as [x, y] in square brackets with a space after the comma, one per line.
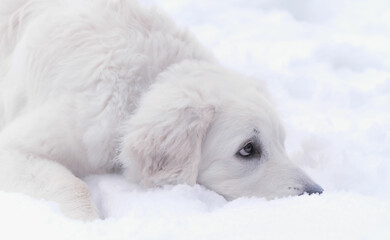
[54, 49]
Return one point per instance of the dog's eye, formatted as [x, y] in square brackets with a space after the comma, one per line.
[247, 150]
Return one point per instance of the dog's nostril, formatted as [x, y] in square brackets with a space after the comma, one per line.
[313, 189]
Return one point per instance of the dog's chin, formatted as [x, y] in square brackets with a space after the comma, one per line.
[272, 195]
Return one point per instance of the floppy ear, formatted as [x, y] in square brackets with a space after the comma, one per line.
[165, 135]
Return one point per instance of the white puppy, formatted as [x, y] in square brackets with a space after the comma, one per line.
[96, 86]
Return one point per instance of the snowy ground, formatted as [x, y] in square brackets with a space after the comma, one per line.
[327, 64]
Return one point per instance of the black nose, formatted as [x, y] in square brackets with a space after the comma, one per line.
[311, 189]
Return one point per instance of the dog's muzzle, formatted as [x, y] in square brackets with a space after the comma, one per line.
[312, 189]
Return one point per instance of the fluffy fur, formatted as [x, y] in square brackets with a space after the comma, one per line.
[92, 87]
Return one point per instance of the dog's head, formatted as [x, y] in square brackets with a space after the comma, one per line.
[203, 124]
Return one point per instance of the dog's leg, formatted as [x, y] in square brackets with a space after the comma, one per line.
[31, 148]
[48, 180]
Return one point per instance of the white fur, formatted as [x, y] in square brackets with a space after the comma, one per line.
[97, 86]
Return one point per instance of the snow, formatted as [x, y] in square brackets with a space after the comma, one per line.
[327, 65]
[182, 212]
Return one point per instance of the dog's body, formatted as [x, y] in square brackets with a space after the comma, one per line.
[95, 86]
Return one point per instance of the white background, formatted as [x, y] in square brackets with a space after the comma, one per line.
[327, 65]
